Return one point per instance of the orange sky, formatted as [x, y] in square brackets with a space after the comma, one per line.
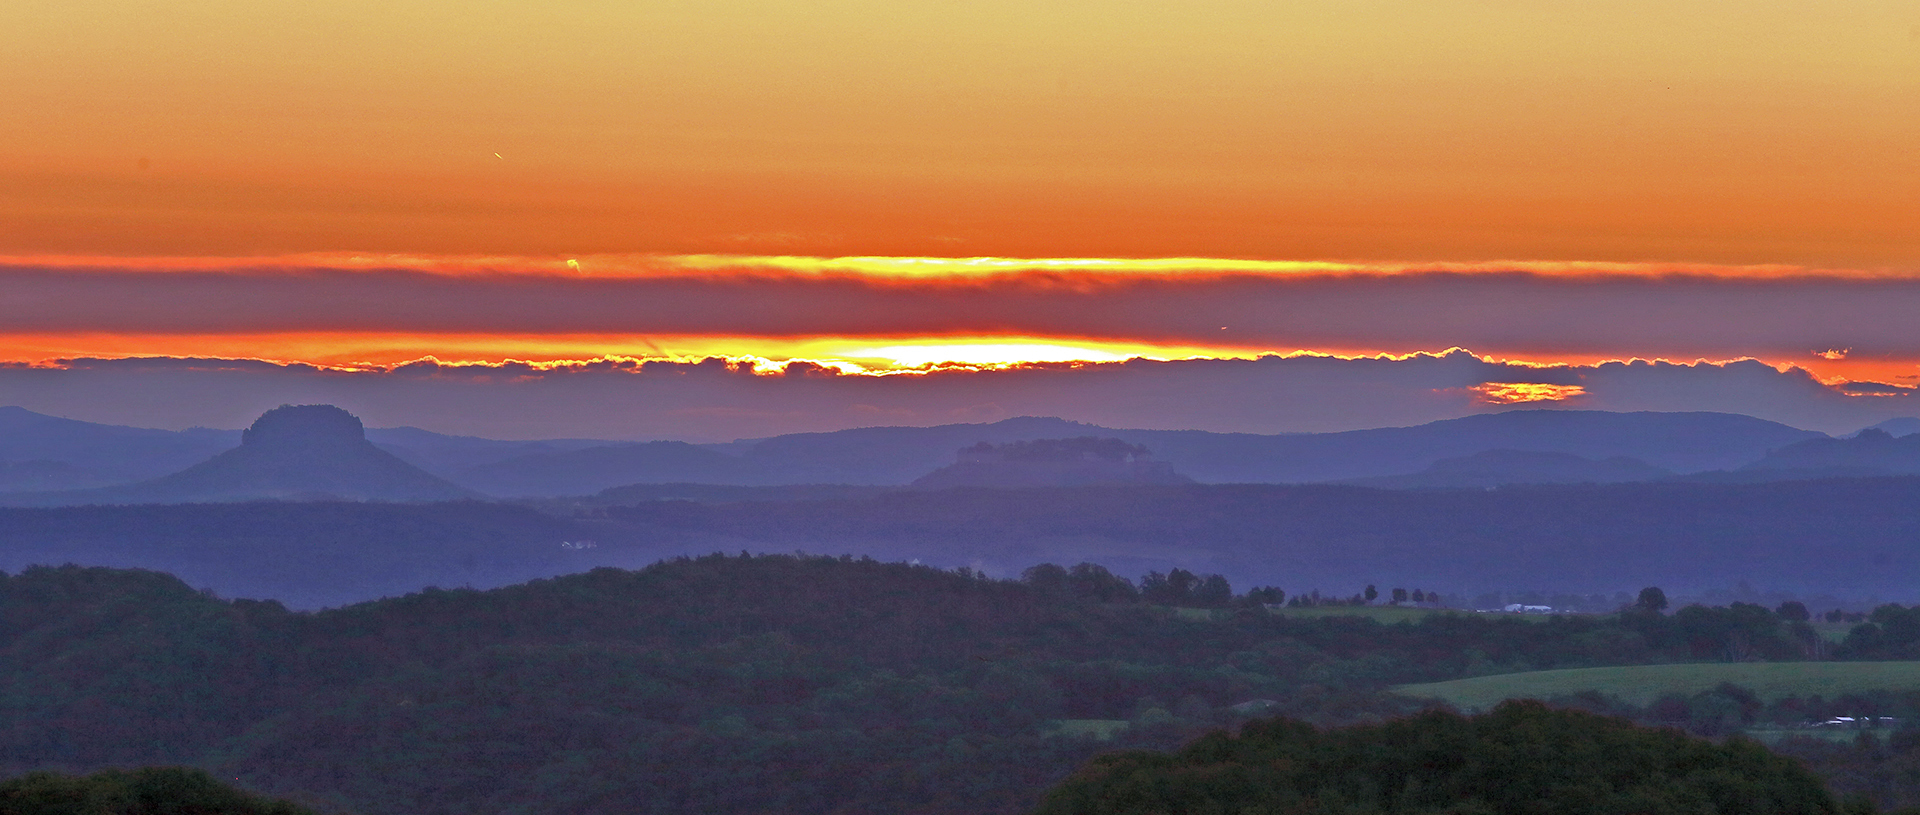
[1454, 130]
[1614, 147]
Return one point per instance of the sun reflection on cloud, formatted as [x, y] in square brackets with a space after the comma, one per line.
[920, 356]
[1516, 393]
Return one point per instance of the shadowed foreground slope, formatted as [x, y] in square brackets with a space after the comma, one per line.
[146, 791]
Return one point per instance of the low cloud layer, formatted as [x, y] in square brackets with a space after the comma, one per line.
[717, 400]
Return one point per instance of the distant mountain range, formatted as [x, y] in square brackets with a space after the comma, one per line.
[880, 456]
[46, 455]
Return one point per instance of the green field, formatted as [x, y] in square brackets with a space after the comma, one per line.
[1642, 684]
[1102, 729]
[1833, 632]
[1385, 614]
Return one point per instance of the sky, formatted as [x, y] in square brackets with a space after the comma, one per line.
[942, 210]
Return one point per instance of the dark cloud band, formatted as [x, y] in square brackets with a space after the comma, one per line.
[1601, 314]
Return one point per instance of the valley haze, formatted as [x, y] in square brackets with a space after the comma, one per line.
[1564, 502]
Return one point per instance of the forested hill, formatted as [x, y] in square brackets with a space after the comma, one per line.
[725, 684]
[1522, 757]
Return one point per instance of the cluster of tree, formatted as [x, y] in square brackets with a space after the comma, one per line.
[1729, 708]
[1878, 765]
[1183, 588]
[1522, 757]
[1315, 599]
[1871, 748]
[723, 684]
[145, 791]
[1178, 588]
[1892, 631]
[1400, 595]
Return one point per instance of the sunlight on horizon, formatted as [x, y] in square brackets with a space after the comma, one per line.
[917, 356]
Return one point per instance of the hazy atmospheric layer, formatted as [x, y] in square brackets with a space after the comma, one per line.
[718, 400]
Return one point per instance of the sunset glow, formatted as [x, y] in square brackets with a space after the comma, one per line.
[915, 191]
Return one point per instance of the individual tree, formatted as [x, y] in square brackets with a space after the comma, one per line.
[1213, 592]
[1181, 583]
[1092, 581]
[1175, 588]
[1399, 596]
[1047, 578]
[1652, 599]
[1153, 587]
[1372, 593]
[1266, 595]
[1793, 611]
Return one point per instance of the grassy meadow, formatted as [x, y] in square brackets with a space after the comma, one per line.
[1102, 729]
[1642, 684]
[1384, 614]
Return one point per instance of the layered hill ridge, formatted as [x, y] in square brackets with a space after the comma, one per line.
[47, 454]
[1499, 468]
[1656, 443]
[293, 452]
[1870, 452]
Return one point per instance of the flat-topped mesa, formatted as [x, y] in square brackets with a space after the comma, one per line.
[1080, 461]
[295, 453]
[304, 426]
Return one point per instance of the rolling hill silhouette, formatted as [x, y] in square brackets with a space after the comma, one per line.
[592, 469]
[1871, 452]
[1680, 442]
[41, 452]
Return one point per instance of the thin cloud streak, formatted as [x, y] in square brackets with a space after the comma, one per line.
[907, 268]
